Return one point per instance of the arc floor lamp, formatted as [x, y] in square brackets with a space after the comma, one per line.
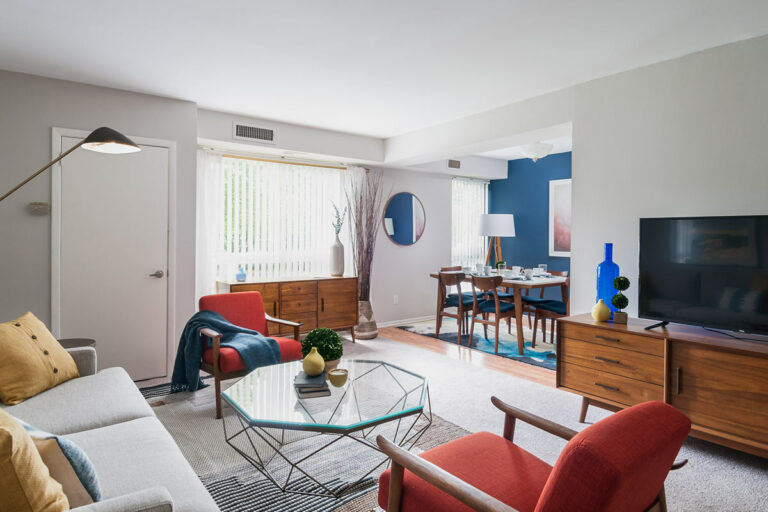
[101, 140]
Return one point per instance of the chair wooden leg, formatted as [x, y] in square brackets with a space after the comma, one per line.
[535, 327]
[471, 332]
[496, 336]
[459, 321]
[217, 390]
[584, 406]
[395, 497]
[438, 322]
[543, 328]
[529, 320]
[552, 332]
[485, 326]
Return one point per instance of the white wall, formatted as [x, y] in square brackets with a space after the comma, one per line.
[29, 107]
[405, 270]
[682, 137]
[216, 127]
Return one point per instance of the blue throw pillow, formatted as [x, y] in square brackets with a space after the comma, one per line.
[77, 458]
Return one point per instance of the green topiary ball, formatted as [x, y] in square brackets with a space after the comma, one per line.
[327, 341]
[621, 283]
[619, 301]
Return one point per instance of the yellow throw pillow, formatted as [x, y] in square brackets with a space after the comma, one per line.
[32, 360]
[25, 484]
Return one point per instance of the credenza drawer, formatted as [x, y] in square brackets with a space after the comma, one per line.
[635, 365]
[297, 288]
[306, 303]
[612, 338]
[609, 386]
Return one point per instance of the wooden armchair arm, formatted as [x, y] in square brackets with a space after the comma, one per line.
[446, 482]
[512, 414]
[210, 333]
[296, 325]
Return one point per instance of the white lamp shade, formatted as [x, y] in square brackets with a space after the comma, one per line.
[497, 224]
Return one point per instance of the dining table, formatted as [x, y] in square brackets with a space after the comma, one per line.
[518, 284]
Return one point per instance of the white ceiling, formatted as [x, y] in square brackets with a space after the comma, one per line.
[560, 145]
[376, 68]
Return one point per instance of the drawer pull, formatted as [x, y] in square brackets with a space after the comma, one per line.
[322, 304]
[606, 386]
[607, 338]
[605, 359]
[677, 378]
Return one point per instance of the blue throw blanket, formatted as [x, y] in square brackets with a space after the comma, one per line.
[255, 349]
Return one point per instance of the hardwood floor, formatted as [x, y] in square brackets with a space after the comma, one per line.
[476, 357]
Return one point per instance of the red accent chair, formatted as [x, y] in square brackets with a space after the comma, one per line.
[617, 464]
[245, 309]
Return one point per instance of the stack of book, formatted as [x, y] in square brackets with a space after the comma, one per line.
[311, 387]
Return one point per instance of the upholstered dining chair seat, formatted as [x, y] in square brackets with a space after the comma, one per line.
[555, 306]
[452, 300]
[489, 306]
[534, 300]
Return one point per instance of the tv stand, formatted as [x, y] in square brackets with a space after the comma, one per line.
[719, 382]
[663, 323]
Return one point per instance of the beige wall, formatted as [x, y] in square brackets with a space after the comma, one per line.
[683, 137]
[29, 107]
[405, 270]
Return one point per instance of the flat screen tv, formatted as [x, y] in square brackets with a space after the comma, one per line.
[707, 271]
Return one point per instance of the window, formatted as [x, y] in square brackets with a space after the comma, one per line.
[469, 201]
[270, 219]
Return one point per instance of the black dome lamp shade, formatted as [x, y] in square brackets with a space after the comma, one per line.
[107, 140]
[101, 140]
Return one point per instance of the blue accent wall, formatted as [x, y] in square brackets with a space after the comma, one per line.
[525, 194]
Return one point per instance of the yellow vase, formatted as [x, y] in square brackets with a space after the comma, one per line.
[313, 363]
[601, 312]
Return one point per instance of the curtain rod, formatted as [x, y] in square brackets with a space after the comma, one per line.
[288, 162]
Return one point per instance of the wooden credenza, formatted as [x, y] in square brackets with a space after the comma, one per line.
[315, 302]
[720, 383]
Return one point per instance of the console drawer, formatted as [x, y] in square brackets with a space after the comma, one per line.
[609, 386]
[609, 359]
[612, 338]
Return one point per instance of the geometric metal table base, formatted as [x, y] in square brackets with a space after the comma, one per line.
[282, 454]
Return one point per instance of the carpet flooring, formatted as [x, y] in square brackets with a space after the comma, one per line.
[542, 355]
[715, 479]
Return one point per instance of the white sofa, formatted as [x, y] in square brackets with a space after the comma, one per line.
[138, 464]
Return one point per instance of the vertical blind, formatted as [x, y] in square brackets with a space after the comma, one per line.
[469, 201]
[274, 219]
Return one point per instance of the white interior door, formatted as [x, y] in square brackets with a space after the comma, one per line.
[114, 255]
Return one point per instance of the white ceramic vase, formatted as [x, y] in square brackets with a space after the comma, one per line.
[337, 258]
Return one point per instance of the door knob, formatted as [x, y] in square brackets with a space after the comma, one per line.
[157, 273]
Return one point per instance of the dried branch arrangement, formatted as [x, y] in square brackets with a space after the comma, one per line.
[364, 193]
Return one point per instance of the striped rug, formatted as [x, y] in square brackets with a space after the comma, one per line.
[237, 487]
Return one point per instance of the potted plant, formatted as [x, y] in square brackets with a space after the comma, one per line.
[365, 198]
[620, 301]
[337, 249]
[328, 344]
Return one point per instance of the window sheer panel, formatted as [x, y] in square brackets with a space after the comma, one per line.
[277, 219]
[469, 201]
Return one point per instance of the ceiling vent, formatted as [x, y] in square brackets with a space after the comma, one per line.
[253, 133]
[454, 164]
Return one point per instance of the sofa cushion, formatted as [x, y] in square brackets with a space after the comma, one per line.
[105, 398]
[25, 483]
[32, 361]
[139, 454]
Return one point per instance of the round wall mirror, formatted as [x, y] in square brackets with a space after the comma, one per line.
[404, 218]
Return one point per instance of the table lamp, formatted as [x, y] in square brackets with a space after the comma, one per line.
[101, 140]
[495, 226]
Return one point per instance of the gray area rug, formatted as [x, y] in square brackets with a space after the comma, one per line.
[237, 486]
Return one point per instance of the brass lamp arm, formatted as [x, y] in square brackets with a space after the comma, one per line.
[17, 187]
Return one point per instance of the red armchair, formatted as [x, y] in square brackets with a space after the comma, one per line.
[245, 309]
[619, 463]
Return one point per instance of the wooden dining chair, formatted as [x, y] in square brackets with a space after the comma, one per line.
[486, 302]
[461, 301]
[529, 304]
[552, 309]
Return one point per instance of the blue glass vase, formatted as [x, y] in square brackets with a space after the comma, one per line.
[607, 271]
[241, 275]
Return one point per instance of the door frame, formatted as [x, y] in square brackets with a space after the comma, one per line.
[56, 147]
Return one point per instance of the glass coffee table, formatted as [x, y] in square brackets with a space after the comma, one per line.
[325, 445]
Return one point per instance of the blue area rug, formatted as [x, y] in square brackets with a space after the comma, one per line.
[543, 355]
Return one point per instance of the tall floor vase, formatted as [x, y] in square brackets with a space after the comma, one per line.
[366, 328]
